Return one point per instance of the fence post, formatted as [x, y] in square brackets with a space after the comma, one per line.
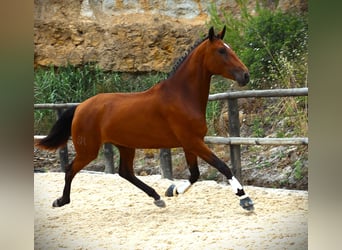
[63, 152]
[109, 158]
[166, 163]
[234, 130]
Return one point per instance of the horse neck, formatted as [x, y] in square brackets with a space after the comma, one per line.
[192, 80]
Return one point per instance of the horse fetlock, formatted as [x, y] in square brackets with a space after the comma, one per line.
[174, 190]
[183, 187]
[235, 184]
[171, 191]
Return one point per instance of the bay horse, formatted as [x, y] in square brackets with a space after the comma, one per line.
[170, 114]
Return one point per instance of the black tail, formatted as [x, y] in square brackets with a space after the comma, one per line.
[60, 132]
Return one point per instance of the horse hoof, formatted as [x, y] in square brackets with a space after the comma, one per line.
[159, 203]
[247, 204]
[60, 202]
[170, 191]
[55, 203]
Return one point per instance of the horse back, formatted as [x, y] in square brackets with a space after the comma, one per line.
[137, 120]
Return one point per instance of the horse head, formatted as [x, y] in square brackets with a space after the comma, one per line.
[221, 60]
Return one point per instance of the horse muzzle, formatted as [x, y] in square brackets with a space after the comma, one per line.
[242, 78]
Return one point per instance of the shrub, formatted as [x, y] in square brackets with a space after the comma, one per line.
[67, 84]
[274, 43]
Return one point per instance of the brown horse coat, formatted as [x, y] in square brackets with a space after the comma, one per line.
[170, 114]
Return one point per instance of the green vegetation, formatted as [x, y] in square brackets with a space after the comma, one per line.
[298, 171]
[273, 44]
[75, 84]
[258, 128]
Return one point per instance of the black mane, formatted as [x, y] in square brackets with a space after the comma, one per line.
[180, 60]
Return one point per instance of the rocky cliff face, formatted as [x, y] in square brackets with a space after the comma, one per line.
[126, 35]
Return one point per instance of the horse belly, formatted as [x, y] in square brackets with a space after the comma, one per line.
[140, 131]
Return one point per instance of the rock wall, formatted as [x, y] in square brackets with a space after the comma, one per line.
[121, 35]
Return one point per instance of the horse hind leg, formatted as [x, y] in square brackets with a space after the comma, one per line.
[181, 188]
[126, 171]
[70, 171]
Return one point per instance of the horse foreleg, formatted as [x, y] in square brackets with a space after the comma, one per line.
[206, 154]
[245, 201]
[191, 160]
[126, 171]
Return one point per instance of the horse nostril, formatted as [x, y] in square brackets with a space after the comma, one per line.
[242, 78]
[246, 76]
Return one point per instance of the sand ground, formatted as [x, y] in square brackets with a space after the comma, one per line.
[107, 212]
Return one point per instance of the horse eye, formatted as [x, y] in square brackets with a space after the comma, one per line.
[222, 51]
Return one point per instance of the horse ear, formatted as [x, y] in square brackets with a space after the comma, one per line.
[211, 34]
[222, 33]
